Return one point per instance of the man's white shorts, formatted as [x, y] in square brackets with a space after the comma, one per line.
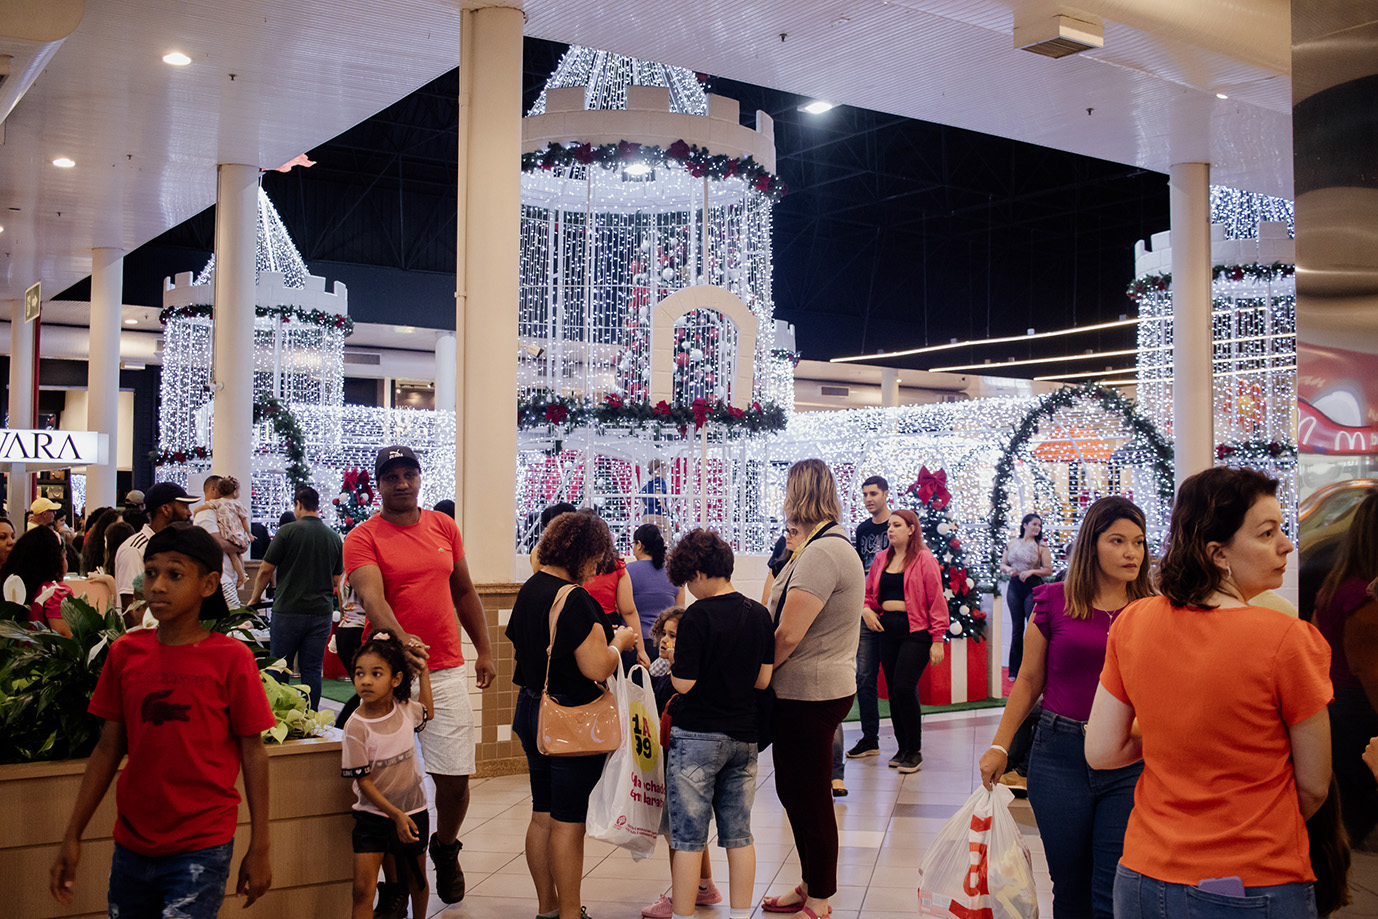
[447, 743]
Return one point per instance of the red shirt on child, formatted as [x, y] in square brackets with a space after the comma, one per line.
[184, 708]
[416, 562]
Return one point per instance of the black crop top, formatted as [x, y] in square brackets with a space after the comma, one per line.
[891, 586]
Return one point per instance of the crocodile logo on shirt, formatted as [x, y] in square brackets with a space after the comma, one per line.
[158, 710]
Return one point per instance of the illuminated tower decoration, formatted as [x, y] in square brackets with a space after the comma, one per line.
[645, 288]
[637, 188]
[1254, 293]
[300, 415]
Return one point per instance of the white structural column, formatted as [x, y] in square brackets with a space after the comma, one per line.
[445, 373]
[103, 371]
[1192, 408]
[488, 228]
[21, 407]
[236, 237]
[889, 387]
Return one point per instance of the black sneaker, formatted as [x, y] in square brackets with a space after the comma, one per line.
[392, 901]
[449, 877]
[910, 762]
[864, 747]
[896, 760]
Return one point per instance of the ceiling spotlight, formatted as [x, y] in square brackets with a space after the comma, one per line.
[2, 229]
[64, 162]
[1221, 96]
[131, 322]
[176, 59]
[638, 169]
[817, 107]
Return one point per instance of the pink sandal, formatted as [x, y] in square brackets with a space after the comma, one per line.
[773, 904]
[812, 915]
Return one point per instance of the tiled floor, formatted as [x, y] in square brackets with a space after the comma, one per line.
[884, 823]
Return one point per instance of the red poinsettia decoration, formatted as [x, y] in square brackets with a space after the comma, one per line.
[583, 153]
[662, 408]
[699, 408]
[763, 183]
[614, 400]
[678, 150]
[555, 413]
[734, 412]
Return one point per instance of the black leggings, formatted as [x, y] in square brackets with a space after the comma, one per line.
[1019, 598]
[903, 657]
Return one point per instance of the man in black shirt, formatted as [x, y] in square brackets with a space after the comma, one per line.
[872, 538]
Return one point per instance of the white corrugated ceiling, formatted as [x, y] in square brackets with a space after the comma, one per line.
[147, 136]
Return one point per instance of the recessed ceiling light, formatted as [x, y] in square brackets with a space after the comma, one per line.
[638, 169]
[817, 107]
[1221, 96]
[176, 59]
[131, 322]
[64, 162]
[2, 229]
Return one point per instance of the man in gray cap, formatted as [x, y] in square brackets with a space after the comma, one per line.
[164, 503]
[407, 567]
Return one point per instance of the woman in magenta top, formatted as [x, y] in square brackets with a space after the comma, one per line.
[904, 597]
[1082, 812]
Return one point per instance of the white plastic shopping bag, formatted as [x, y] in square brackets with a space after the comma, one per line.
[625, 806]
[979, 867]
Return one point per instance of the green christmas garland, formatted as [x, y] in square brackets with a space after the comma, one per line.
[1254, 271]
[285, 426]
[542, 409]
[1145, 435]
[1257, 454]
[693, 159]
[285, 312]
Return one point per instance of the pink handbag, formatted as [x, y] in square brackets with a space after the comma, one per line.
[575, 730]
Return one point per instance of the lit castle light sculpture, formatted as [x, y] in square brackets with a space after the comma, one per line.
[303, 431]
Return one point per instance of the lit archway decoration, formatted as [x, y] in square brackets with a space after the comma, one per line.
[710, 297]
[1145, 441]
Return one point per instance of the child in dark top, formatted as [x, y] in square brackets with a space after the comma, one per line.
[188, 707]
[724, 652]
[663, 634]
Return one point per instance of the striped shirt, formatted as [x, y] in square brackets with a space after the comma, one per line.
[129, 562]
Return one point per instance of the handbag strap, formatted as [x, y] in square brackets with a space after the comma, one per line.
[555, 609]
[827, 531]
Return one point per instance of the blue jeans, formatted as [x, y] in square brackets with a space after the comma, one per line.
[709, 775]
[1140, 897]
[1082, 814]
[187, 885]
[305, 638]
[867, 689]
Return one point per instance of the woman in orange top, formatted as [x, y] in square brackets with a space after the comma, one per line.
[1230, 701]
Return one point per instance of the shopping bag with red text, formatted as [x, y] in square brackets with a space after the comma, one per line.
[625, 805]
[979, 867]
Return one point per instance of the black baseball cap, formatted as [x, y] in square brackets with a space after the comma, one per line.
[394, 456]
[195, 543]
[165, 493]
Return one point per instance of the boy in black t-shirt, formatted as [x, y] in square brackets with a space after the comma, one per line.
[724, 653]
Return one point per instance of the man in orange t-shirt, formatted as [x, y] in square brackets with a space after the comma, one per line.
[407, 568]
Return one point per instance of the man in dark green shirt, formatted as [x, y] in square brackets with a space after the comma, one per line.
[308, 559]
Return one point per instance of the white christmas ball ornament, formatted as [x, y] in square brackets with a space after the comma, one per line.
[970, 583]
[696, 354]
[955, 628]
[943, 528]
[667, 274]
[964, 610]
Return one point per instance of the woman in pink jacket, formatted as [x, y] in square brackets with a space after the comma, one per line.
[905, 602]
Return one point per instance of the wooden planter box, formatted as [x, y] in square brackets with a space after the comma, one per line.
[309, 809]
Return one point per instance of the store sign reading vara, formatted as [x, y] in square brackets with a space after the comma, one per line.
[52, 448]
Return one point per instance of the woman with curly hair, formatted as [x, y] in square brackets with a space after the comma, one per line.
[584, 650]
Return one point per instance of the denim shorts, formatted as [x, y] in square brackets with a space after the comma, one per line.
[1140, 897]
[709, 775]
[185, 885]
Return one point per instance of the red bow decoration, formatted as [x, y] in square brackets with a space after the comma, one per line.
[351, 479]
[933, 487]
[957, 581]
